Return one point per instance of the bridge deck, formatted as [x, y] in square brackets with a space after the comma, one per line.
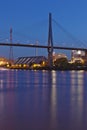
[41, 46]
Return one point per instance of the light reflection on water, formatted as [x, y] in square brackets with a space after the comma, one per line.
[43, 100]
[54, 100]
[77, 96]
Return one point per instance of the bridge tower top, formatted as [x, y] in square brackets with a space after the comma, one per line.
[50, 42]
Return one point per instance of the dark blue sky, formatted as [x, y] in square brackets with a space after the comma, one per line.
[29, 20]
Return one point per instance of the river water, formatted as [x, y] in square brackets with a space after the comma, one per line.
[43, 100]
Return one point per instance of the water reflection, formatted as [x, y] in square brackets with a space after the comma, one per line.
[1, 84]
[7, 79]
[1, 103]
[52, 100]
[10, 79]
[77, 97]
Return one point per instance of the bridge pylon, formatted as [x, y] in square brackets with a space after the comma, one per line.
[11, 48]
[50, 42]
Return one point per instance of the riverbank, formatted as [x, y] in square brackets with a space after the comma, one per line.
[51, 68]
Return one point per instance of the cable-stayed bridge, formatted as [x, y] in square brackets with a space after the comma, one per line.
[76, 43]
[50, 44]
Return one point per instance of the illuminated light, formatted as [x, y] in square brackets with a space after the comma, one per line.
[71, 62]
[36, 65]
[1, 62]
[77, 59]
[24, 65]
[20, 65]
[43, 63]
[82, 61]
[16, 65]
[8, 65]
[79, 52]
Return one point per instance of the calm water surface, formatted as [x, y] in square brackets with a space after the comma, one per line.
[43, 100]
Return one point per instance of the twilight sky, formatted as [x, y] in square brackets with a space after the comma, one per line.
[29, 21]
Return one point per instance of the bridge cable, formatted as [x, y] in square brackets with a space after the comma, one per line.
[68, 33]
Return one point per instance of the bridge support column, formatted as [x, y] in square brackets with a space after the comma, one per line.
[50, 43]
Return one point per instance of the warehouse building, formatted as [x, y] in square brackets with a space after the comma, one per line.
[28, 61]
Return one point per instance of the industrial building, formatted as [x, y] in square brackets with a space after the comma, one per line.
[58, 56]
[79, 56]
[29, 61]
